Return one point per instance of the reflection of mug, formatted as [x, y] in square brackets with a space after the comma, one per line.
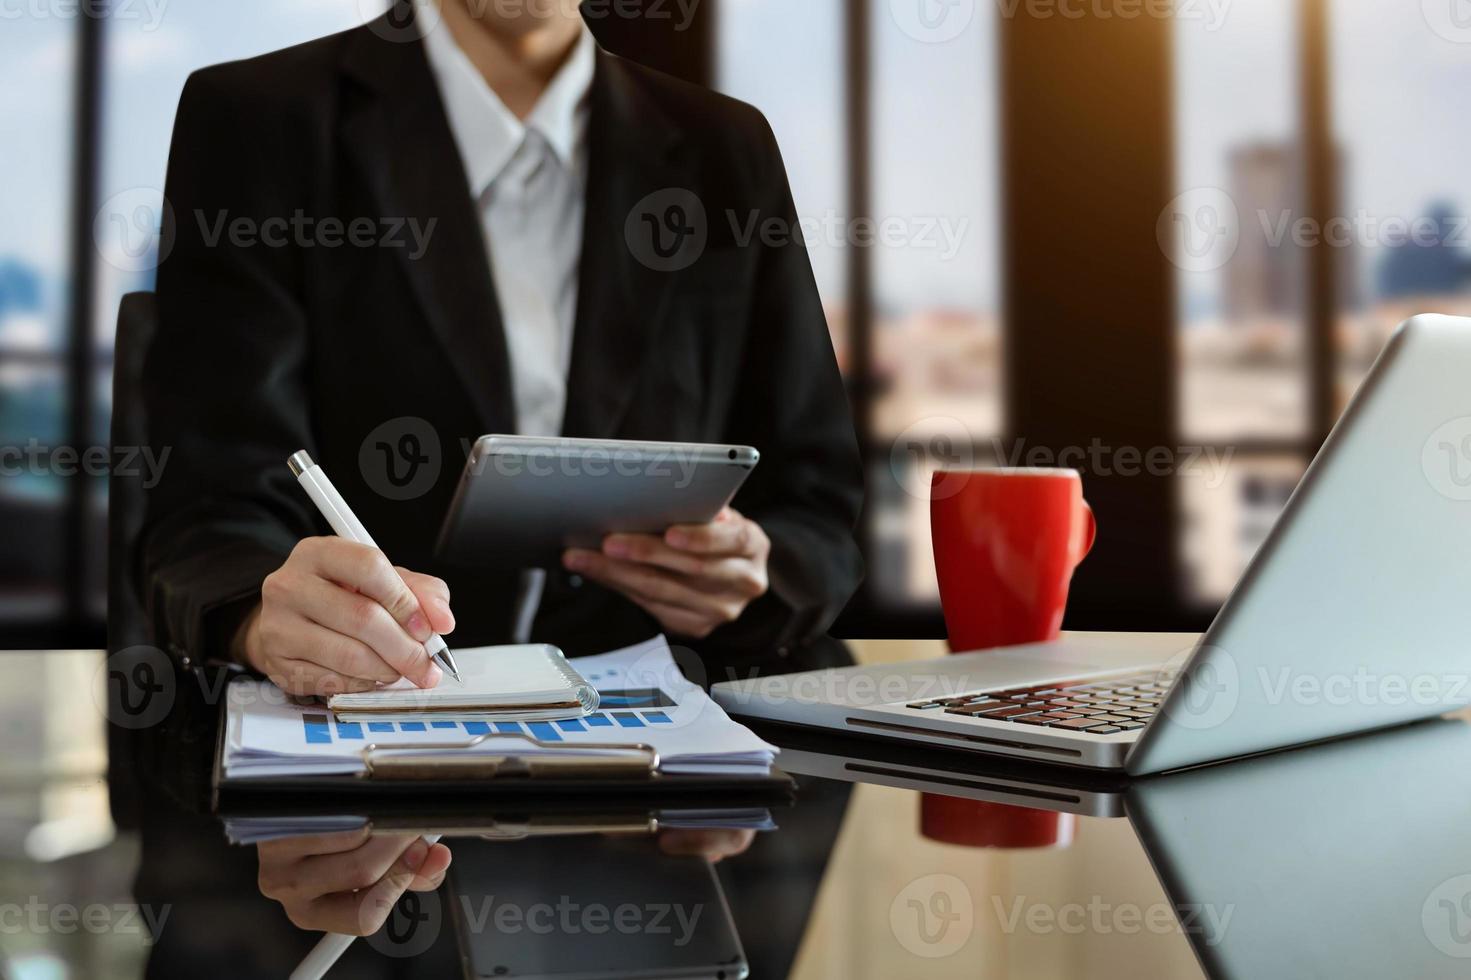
[977, 823]
[1006, 544]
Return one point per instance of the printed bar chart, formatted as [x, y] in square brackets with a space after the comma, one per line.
[322, 729]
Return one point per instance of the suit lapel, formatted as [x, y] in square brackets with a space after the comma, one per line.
[397, 134]
[633, 152]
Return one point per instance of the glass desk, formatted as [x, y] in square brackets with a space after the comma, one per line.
[1351, 859]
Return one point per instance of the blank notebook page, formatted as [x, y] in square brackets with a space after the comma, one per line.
[532, 673]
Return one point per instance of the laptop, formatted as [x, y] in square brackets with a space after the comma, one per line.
[1354, 614]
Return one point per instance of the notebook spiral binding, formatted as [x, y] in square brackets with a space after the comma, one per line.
[587, 695]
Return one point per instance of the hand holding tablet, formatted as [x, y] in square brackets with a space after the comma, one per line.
[523, 500]
[649, 520]
[692, 579]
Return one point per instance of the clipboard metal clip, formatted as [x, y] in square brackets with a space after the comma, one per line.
[460, 760]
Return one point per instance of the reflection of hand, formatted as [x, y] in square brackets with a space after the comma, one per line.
[692, 579]
[712, 845]
[348, 882]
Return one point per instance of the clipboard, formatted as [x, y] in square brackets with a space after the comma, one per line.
[463, 769]
[520, 820]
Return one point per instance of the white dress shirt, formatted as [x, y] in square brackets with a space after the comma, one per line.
[529, 180]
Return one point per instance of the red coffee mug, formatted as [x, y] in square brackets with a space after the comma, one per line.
[978, 823]
[1006, 543]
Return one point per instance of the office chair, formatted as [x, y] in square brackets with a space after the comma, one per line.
[127, 621]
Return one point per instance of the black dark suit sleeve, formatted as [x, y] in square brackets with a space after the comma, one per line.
[225, 377]
[807, 491]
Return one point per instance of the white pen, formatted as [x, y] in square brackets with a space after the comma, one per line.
[346, 524]
[332, 945]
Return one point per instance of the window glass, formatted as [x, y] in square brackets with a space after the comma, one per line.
[1399, 83]
[1235, 235]
[787, 60]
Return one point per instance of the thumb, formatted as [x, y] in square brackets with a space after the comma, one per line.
[377, 901]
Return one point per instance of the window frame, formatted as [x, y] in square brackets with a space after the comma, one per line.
[1127, 602]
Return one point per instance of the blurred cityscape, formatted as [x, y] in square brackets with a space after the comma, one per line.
[938, 342]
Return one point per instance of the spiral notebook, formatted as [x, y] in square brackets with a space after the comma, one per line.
[524, 682]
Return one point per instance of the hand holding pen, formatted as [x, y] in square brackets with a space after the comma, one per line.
[338, 616]
[346, 884]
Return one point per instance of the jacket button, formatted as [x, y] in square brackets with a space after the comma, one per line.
[575, 581]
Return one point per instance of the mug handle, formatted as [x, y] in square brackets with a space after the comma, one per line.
[1090, 533]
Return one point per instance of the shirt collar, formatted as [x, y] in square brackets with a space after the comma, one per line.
[485, 130]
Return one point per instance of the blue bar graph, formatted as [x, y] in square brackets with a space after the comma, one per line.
[380, 726]
[318, 732]
[508, 727]
[349, 729]
[658, 718]
[628, 719]
[445, 724]
[571, 725]
[599, 721]
[544, 731]
[477, 728]
[412, 726]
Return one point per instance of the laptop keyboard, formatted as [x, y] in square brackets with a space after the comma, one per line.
[1097, 706]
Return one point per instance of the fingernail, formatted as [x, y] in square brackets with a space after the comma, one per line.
[615, 548]
[443, 609]
[419, 626]
[416, 854]
[677, 539]
[575, 561]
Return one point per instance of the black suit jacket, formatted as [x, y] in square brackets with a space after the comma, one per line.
[265, 348]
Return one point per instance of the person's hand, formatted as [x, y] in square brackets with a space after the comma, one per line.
[337, 616]
[347, 883]
[692, 579]
[713, 844]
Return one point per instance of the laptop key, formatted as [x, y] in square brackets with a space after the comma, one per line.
[1077, 724]
[1105, 730]
[976, 709]
[926, 705]
[1002, 713]
[1130, 725]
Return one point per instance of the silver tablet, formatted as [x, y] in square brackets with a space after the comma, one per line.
[522, 500]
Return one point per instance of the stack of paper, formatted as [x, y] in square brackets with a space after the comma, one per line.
[644, 700]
